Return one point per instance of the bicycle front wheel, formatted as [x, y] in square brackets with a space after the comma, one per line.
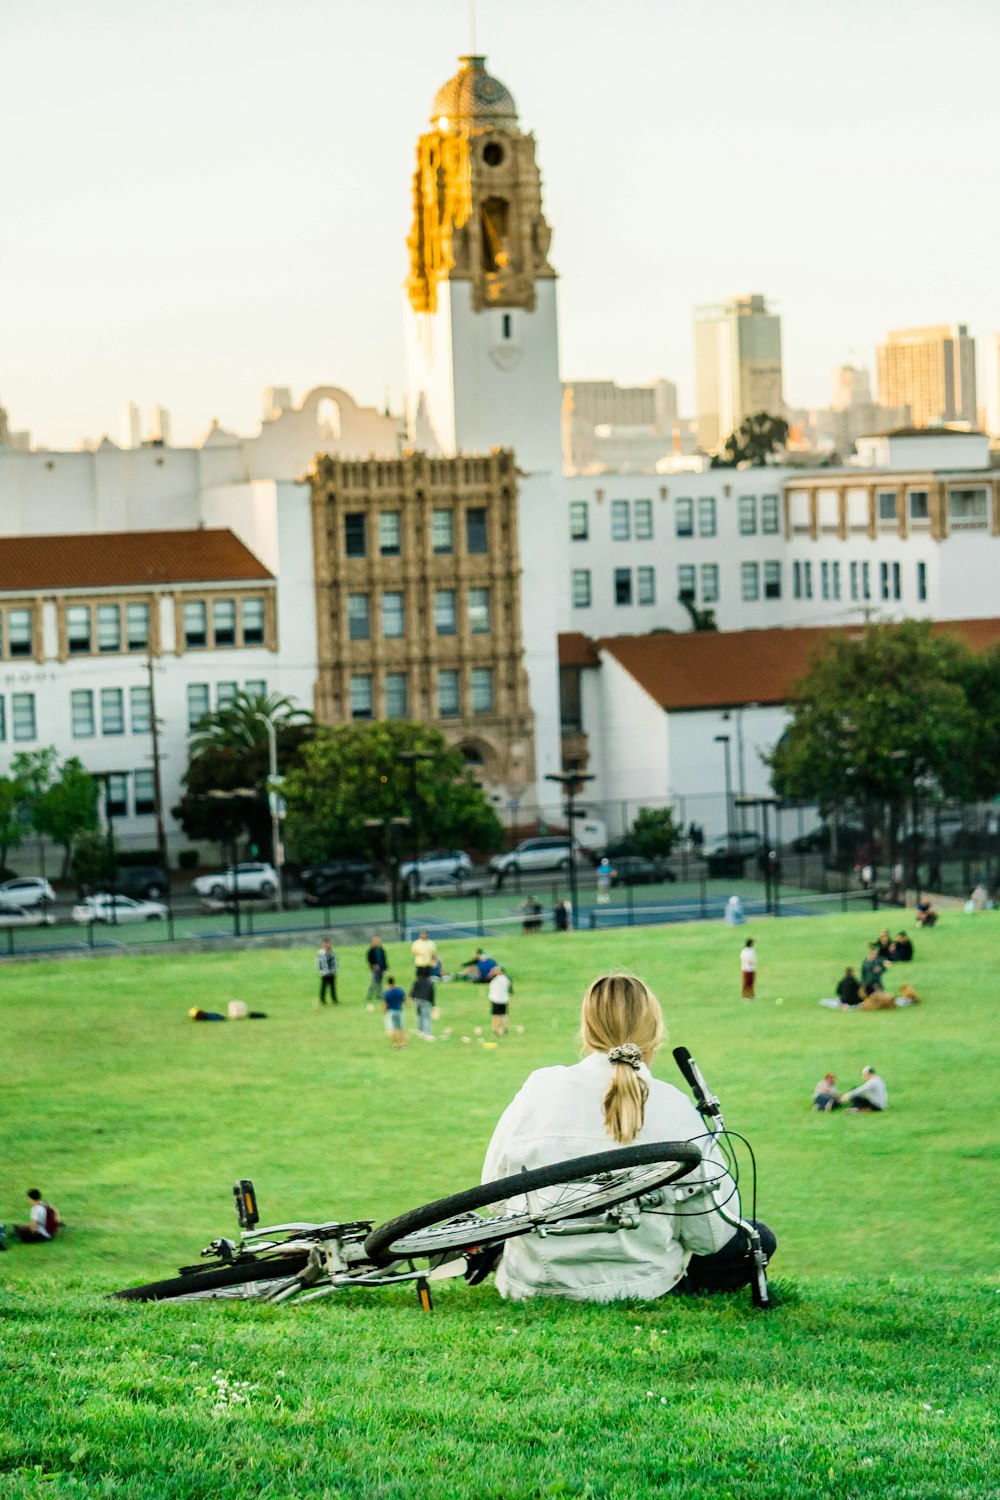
[498, 1211]
[245, 1279]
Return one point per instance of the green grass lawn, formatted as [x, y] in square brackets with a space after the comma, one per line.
[872, 1376]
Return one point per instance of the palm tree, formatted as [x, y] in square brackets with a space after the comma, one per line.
[240, 725]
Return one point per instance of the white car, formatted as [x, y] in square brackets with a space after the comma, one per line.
[248, 880]
[21, 916]
[550, 853]
[437, 867]
[117, 909]
[25, 891]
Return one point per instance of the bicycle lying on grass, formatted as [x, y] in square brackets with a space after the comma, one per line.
[460, 1235]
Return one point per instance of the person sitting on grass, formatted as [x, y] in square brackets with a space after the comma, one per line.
[393, 997]
[926, 915]
[611, 1098]
[870, 1096]
[826, 1097]
[849, 993]
[872, 969]
[901, 951]
[43, 1221]
[480, 969]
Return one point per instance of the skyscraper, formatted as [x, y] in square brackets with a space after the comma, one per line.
[737, 348]
[930, 370]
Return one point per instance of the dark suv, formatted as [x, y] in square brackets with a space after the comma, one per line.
[142, 882]
[341, 881]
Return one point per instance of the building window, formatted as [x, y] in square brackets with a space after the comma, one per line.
[482, 690]
[224, 622]
[109, 627]
[621, 529]
[824, 573]
[802, 583]
[920, 505]
[772, 580]
[623, 585]
[854, 580]
[643, 520]
[392, 617]
[145, 793]
[358, 624]
[579, 520]
[883, 578]
[922, 582]
[116, 795]
[22, 716]
[447, 694]
[684, 518]
[886, 501]
[395, 695]
[390, 534]
[706, 515]
[897, 582]
[645, 585]
[112, 711]
[225, 694]
[479, 611]
[686, 583]
[361, 695]
[866, 581]
[252, 616]
[442, 531]
[140, 710]
[836, 580]
[78, 629]
[198, 703]
[195, 624]
[581, 588]
[770, 520]
[967, 509]
[256, 688]
[19, 632]
[444, 611]
[507, 322]
[475, 531]
[3, 718]
[709, 583]
[137, 626]
[81, 708]
[749, 582]
[355, 540]
[748, 515]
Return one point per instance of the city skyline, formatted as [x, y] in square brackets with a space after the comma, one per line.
[204, 207]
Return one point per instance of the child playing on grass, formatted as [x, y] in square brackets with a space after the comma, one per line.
[392, 998]
[499, 992]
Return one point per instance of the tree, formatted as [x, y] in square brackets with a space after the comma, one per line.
[228, 750]
[701, 619]
[886, 717]
[11, 821]
[351, 774]
[654, 832]
[68, 808]
[753, 441]
[34, 772]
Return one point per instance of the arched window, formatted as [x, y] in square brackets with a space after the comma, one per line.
[472, 756]
[328, 420]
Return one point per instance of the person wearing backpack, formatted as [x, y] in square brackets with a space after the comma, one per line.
[44, 1221]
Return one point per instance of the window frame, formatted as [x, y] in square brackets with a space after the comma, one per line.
[390, 548]
[485, 606]
[361, 712]
[477, 529]
[453, 678]
[20, 704]
[393, 635]
[684, 518]
[391, 684]
[579, 509]
[192, 688]
[643, 520]
[480, 676]
[112, 697]
[359, 620]
[445, 613]
[708, 521]
[355, 531]
[746, 519]
[621, 587]
[621, 521]
[691, 594]
[770, 515]
[771, 588]
[82, 723]
[710, 583]
[645, 585]
[439, 516]
[749, 575]
[581, 582]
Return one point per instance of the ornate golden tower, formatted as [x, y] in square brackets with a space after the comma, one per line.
[477, 199]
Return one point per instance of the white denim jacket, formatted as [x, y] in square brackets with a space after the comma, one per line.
[558, 1114]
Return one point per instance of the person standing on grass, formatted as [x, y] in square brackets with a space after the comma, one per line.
[42, 1224]
[422, 995]
[378, 962]
[326, 963]
[393, 998]
[610, 1098]
[748, 968]
[425, 955]
[499, 992]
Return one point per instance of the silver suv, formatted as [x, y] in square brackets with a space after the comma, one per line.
[550, 853]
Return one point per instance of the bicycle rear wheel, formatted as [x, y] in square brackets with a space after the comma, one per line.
[588, 1184]
[246, 1279]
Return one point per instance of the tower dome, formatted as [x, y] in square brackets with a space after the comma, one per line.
[473, 97]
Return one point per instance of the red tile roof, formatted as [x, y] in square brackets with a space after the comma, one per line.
[722, 669]
[120, 558]
[577, 650]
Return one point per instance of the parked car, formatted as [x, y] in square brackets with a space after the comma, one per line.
[26, 891]
[447, 863]
[117, 909]
[247, 879]
[729, 855]
[340, 881]
[636, 869]
[534, 855]
[144, 882]
[23, 916]
[460, 883]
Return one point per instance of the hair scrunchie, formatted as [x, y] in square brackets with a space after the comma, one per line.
[628, 1053]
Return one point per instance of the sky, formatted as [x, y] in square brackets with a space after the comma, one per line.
[205, 198]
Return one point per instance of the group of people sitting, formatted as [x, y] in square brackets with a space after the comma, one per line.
[870, 1097]
[868, 991]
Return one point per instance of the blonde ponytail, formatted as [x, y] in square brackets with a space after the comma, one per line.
[619, 1010]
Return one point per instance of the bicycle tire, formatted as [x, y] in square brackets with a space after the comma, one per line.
[218, 1279]
[429, 1230]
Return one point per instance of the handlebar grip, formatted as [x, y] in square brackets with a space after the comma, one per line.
[683, 1059]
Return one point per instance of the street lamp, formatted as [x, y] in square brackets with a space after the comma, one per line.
[238, 794]
[274, 782]
[412, 759]
[764, 803]
[723, 740]
[105, 777]
[571, 782]
[388, 827]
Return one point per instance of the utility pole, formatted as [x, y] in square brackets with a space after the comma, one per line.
[274, 804]
[154, 724]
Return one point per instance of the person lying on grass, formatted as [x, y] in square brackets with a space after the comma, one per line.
[611, 1096]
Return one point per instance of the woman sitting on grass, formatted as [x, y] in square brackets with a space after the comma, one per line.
[611, 1097]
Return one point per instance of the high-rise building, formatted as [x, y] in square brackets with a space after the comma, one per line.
[737, 348]
[159, 425]
[852, 386]
[932, 371]
[606, 425]
[131, 428]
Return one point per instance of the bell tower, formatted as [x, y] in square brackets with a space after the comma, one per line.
[482, 336]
